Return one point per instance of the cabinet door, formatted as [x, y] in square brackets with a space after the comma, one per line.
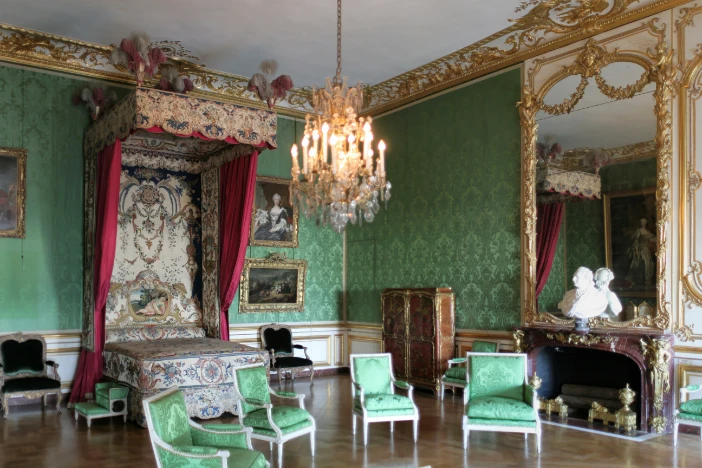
[422, 338]
[394, 329]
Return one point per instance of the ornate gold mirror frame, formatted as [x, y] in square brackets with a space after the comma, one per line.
[657, 68]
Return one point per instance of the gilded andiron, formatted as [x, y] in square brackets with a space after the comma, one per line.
[624, 418]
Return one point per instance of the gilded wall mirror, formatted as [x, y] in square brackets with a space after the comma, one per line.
[596, 151]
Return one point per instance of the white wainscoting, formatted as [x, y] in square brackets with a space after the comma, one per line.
[325, 341]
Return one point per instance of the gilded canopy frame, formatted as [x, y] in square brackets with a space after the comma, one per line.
[657, 68]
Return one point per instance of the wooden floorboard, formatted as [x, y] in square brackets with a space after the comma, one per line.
[32, 437]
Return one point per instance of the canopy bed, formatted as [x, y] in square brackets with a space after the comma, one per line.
[169, 183]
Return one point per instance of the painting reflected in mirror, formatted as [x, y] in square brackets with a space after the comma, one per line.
[13, 169]
[596, 200]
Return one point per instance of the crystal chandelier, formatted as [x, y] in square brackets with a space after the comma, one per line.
[342, 178]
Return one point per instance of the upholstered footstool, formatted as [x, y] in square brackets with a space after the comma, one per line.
[110, 400]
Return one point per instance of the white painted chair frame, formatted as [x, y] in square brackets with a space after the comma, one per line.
[279, 438]
[687, 422]
[459, 361]
[497, 428]
[355, 387]
[156, 441]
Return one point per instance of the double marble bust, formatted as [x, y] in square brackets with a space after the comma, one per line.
[591, 296]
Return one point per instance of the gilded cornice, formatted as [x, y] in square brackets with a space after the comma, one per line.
[549, 25]
[544, 26]
[48, 51]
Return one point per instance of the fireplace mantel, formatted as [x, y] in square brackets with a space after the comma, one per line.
[652, 353]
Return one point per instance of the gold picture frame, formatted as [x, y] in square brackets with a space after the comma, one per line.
[271, 227]
[13, 190]
[642, 235]
[273, 284]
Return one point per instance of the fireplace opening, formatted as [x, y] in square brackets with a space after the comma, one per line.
[583, 375]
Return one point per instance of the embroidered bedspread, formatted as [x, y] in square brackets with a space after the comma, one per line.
[151, 366]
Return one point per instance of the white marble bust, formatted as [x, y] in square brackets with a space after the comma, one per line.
[585, 300]
[603, 277]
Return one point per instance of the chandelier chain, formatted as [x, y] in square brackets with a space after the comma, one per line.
[337, 78]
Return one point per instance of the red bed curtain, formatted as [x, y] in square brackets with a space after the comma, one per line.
[237, 184]
[109, 167]
[549, 217]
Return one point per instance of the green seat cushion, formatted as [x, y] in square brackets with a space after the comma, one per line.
[372, 373]
[500, 422]
[461, 382]
[25, 384]
[27, 356]
[484, 347]
[386, 402]
[458, 373]
[91, 409]
[244, 458]
[195, 450]
[386, 413]
[499, 408]
[691, 407]
[223, 427]
[690, 416]
[285, 430]
[283, 416]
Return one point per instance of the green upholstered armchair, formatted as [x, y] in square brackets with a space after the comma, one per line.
[272, 423]
[498, 396]
[24, 370]
[690, 411]
[373, 389]
[455, 377]
[179, 442]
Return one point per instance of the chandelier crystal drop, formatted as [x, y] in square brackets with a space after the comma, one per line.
[342, 176]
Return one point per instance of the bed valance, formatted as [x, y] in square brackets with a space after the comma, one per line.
[157, 111]
[571, 183]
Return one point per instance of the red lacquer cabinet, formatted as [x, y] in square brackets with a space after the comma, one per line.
[418, 330]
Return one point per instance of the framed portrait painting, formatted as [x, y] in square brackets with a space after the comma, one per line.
[274, 222]
[13, 186]
[273, 284]
[631, 244]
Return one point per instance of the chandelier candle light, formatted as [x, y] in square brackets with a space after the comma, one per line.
[342, 177]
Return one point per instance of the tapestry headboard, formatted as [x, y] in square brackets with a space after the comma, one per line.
[136, 308]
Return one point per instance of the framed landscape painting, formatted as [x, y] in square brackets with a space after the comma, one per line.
[273, 284]
[13, 186]
[631, 243]
[274, 222]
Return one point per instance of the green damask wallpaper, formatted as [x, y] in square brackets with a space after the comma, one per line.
[41, 277]
[584, 229]
[454, 218]
[321, 247]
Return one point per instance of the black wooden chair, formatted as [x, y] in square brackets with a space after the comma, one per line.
[278, 341]
[24, 370]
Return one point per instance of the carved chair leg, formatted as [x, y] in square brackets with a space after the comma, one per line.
[311, 374]
[392, 426]
[415, 429]
[280, 379]
[280, 455]
[44, 398]
[365, 432]
[466, 433]
[354, 423]
[675, 433]
[312, 434]
[442, 391]
[59, 397]
[6, 407]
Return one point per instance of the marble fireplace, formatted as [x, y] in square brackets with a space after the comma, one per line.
[610, 359]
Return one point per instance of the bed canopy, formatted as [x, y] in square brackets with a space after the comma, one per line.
[169, 182]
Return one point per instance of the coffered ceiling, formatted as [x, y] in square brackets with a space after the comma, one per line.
[381, 38]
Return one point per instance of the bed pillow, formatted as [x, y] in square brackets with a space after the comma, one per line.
[149, 333]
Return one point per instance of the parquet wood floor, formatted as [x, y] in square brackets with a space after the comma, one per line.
[31, 437]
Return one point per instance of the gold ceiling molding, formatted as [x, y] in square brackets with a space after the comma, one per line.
[530, 35]
[49, 51]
